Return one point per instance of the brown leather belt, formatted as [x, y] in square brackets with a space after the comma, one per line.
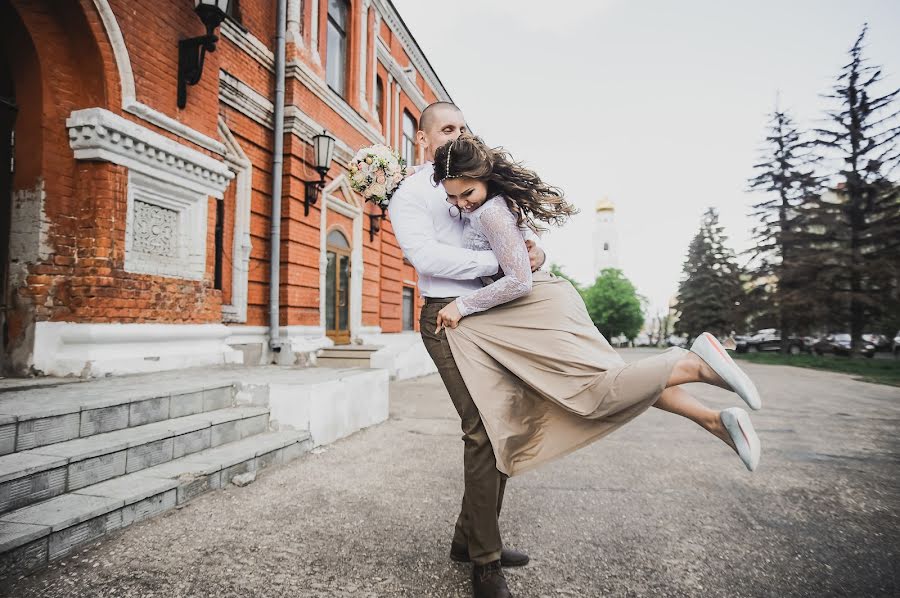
[444, 300]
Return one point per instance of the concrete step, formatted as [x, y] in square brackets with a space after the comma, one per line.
[31, 476]
[348, 352]
[42, 415]
[343, 362]
[33, 536]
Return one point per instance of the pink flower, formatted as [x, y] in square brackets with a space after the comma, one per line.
[379, 178]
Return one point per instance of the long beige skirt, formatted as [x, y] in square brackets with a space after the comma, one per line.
[544, 379]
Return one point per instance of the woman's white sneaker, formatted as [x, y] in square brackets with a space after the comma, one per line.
[740, 428]
[710, 350]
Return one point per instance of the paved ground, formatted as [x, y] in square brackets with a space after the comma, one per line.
[657, 509]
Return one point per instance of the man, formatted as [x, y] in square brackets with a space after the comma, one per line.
[431, 239]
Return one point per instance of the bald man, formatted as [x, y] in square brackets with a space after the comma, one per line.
[431, 239]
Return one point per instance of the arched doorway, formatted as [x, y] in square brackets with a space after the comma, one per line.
[337, 288]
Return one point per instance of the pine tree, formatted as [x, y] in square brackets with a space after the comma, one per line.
[856, 230]
[711, 287]
[786, 175]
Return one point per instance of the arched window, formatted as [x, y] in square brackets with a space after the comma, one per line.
[408, 145]
[336, 50]
[379, 99]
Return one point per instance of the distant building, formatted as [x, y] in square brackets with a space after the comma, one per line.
[606, 239]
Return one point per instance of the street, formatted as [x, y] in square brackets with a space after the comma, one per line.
[659, 508]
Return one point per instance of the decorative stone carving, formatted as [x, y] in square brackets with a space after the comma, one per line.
[155, 230]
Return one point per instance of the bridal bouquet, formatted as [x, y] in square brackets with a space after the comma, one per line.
[376, 172]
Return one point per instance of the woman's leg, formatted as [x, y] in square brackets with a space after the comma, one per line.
[692, 368]
[677, 400]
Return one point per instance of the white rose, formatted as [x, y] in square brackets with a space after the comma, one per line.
[378, 190]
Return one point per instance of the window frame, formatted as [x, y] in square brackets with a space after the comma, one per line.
[331, 22]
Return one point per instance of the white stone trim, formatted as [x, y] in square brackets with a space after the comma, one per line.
[320, 89]
[363, 50]
[98, 134]
[374, 62]
[248, 43]
[246, 100]
[304, 126]
[405, 76]
[352, 209]
[67, 349]
[391, 16]
[294, 17]
[189, 259]
[314, 31]
[241, 243]
[129, 96]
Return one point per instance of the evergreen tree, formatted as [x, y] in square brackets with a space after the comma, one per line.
[786, 175]
[711, 287]
[856, 230]
[614, 305]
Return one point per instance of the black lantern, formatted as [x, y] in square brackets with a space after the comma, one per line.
[375, 224]
[192, 51]
[323, 144]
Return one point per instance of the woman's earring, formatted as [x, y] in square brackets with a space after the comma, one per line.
[458, 212]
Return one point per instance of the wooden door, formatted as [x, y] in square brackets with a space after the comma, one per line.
[337, 288]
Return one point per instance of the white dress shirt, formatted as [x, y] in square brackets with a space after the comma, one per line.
[432, 239]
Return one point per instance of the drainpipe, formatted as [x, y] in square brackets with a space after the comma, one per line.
[275, 341]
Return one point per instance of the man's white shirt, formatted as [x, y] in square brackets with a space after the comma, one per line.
[431, 239]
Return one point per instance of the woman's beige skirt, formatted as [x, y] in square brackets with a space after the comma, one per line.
[545, 381]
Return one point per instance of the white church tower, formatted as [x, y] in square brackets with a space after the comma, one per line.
[606, 239]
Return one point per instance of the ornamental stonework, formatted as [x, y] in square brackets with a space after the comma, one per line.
[155, 230]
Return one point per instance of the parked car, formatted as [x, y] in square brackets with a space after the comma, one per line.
[768, 339]
[881, 342]
[839, 344]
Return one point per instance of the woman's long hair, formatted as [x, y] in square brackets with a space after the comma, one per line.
[528, 197]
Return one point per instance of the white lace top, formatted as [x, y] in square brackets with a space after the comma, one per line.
[492, 226]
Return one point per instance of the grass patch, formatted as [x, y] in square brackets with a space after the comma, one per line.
[879, 371]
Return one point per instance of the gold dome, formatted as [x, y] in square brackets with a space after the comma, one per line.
[604, 205]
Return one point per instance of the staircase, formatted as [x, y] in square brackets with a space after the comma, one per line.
[79, 460]
[346, 356]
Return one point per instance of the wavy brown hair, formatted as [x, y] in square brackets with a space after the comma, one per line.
[528, 197]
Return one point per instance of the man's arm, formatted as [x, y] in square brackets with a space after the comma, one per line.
[416, 235]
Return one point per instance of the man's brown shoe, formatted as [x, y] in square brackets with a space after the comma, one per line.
[488, 581]
[508, 556]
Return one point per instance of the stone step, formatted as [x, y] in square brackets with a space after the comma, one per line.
[343, 362]
[33, 536]
[38, 474]
[40, 416]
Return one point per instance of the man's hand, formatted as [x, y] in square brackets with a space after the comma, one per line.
[535, 255]
[448, 317]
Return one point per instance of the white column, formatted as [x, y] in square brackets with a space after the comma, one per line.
[293, 23]
[388, 109]
[314, 32]
[398, 124]
[363, 50]
[374, 57]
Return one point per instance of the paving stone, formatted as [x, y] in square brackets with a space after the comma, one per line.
[80, 449]
[186, 404]
[149, 454]
[225, 433]
[65, 541]
[148, 411]
[7, 438]
[130, 488]
[254, 425]
[193, 442]
[217, 398]
[24, 559]
[64, 511]
[106, 419]
[99, 469]
[149, 507]
[14, 535]
[39, 432]
[32, 488]
[18, 465]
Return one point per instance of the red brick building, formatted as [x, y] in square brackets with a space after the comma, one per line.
[136, 234]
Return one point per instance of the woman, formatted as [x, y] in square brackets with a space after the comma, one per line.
[545, 381]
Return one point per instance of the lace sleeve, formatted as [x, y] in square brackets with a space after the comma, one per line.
[499, 227]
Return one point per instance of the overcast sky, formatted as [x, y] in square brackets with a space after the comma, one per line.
[659, 104]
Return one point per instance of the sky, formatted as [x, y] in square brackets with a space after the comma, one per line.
[660, 105]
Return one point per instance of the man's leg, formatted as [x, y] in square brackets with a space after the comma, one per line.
[477, 525]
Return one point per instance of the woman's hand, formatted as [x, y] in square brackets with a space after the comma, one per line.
[448, 317]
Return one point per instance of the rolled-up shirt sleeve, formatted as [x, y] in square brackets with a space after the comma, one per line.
[415, 233]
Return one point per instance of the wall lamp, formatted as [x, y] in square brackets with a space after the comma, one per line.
[192, 51]
[375, 224]
[323, 144]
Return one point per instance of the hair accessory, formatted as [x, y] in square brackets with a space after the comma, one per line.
[447, 174]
